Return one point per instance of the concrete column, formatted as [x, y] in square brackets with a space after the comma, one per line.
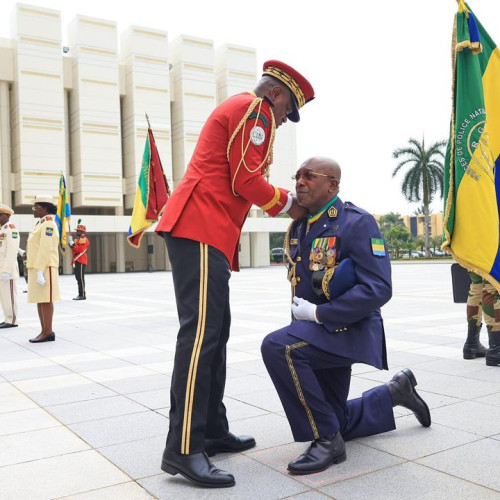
[259, 249]
[105, 256]
[66, 261]
[5, 158]
[150, 242]
[120, 246]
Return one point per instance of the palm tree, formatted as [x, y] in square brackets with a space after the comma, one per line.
[424, 177]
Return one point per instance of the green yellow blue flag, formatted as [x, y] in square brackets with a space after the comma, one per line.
[151, 195]
[472, 183]
[63, 214]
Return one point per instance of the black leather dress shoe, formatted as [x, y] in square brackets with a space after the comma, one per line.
[48, 338]
[80, 297]
[197, 468]
[403, 393]
[322, 453]
[8, 325]
[229, 443]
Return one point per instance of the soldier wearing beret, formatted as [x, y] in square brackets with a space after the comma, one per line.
[9, 247]
[202, 225]
[43, 265]
[341, 276]
[79, 247]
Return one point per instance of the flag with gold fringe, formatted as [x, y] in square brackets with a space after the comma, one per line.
[472, 182]
[63, 214]
[151, 195]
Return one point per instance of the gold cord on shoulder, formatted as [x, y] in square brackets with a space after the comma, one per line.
[242, 126]
[292, 278]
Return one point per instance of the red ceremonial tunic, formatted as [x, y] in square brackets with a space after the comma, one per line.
[80, 250]
[211, 202]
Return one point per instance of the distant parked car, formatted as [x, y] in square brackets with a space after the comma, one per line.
[417, 254]
[277, 255]
[438, 253]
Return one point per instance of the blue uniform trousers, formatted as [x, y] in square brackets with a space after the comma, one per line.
[313, 386]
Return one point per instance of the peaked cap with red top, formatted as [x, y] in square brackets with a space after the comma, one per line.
[302, 91]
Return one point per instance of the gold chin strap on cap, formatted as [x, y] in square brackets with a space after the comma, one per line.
[289, 82]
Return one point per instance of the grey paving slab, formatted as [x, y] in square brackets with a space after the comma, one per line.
[84, 411]
[409, 481]
[361, 460]
[411, 441]
[477, 418]
[159, 398]
[59, 476]
[70, 394]
[119, 345]
[26, 420]
[33, 445]
[121, 429]
[139, 384]
[253, 480]
[476, 462]
[124, 491]
[137, 458]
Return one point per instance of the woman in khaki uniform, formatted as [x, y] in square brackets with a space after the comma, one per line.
[43, 265]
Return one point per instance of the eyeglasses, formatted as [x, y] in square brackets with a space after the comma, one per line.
[309, 175]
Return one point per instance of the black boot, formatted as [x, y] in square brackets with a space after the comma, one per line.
[403, 393]
[472, 347]
[322, 453]
[493, 353]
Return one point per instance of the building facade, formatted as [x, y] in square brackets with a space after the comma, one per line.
[80, 110]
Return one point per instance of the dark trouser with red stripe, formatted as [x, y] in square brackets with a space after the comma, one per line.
[313, 386]
[201, 281]
[80, 278]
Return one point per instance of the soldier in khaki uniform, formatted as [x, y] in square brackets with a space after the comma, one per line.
[43, 263]
[9, 270]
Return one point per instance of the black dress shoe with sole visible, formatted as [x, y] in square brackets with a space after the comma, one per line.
[321, 453]
[80, 297]
[48, 338]
[197, 468]
[228, 444]
[8, 325]
[403, 393]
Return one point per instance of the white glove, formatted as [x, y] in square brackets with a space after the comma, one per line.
[5, 276]
[21, 252]
[40, 278]
[305, 310]
[71, 243]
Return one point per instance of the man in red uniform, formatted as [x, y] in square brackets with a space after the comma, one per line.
[202, 225]
[79, 247]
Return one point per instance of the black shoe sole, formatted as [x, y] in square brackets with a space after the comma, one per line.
[492, 363]
[336, 460]
[470, 355]
[169, 469]
[211, 453]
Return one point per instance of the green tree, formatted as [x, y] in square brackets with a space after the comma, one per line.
[388, 221]
[436, 242]
[397, 240]
[424, 177]
[276, 240]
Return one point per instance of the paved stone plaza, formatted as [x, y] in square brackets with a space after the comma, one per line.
[85, 417]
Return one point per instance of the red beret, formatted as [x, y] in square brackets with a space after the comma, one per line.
[301, 89]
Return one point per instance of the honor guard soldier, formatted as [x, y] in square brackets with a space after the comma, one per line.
[42, 250]
[202, 225]
[79, 247]
[9, 247]
[341, 276]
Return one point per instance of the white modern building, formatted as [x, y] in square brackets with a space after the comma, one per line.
[80, 110]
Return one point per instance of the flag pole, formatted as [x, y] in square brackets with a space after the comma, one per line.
[147, 119]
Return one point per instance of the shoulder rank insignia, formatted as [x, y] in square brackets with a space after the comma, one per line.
[378, 247]
[294, 241]
[47, 217]
[12, 226]
[332, 212]
[262, 118]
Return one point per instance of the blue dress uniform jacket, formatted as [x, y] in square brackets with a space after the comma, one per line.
[351, 326]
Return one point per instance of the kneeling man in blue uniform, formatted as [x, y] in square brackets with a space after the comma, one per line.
[341, 275]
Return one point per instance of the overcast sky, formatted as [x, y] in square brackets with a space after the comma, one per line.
[381, 70]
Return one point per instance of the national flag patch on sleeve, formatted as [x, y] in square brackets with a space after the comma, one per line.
[378, 247]
[49, 231]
